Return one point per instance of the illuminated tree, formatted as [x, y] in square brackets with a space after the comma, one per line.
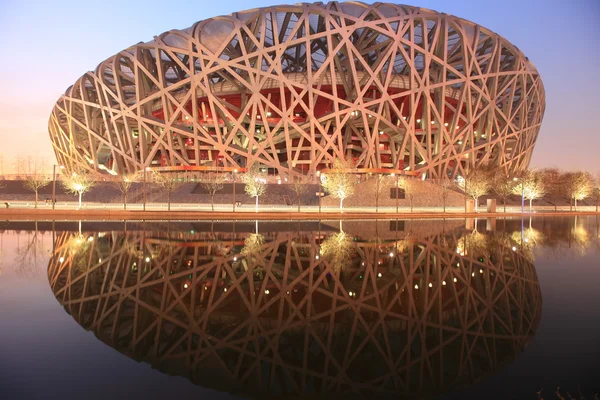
[35, 179]
[339, 182]
[596, 191]
[578, 185]
[78, 183]
[531, 186]
[255, 183]
[124, 183]
[168, 183]
[213, 183]
[476, 184]
[503, 186]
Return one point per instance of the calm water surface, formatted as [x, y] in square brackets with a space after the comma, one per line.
[453, 309]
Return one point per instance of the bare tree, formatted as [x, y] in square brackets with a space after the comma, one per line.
[476, 184]
[338, 182]
[578, 185]
[503, 186]
[255, 183]
[300, 186]
[447, 186]
[168, 183]
[79, 182]
[124, 183]
[380, 186]
[35, 179]
[409, 185]
[213, 183]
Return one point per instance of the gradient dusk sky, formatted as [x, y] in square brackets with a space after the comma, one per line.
[46, 45]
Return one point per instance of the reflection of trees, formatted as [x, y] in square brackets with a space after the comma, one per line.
[417, 322]
[30, 256]
[337, 249]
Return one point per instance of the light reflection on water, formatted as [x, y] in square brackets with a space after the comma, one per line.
[388, 309]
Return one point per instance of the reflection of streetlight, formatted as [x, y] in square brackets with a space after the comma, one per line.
[54, 183]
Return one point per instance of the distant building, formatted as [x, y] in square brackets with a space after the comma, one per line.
[293, 87]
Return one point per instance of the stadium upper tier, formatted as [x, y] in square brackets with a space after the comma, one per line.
[294, 87]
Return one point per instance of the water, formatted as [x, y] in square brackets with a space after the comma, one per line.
[392, 309]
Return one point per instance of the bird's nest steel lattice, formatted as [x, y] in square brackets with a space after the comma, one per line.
[278, 315]
[294, 87]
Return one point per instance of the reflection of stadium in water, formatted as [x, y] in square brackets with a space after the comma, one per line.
[289, 313]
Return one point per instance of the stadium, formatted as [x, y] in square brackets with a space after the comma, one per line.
[390, 88]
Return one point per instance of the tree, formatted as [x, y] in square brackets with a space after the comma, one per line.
[300, 186]
[379, 188]
[168, 183]
[255, 183]
[409, 185]
[124, 183]
[579, 185]
[596, 191]
[338, 182]
[531, 186]
[35, 179]
[447, 186]
[79, 182]
[213, 183]
[503, 186]
[476, 184]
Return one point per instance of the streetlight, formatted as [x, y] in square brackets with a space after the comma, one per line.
[54, 183]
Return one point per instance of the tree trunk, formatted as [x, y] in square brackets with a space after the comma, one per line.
[169, 201]
[36, 199]
[124, 201]
[212, 201]
[341, 201]
[298, 203]
[504, 203]
[411, 204]
[476, 203]
[530, 205]
[575, 204]
[256, 207]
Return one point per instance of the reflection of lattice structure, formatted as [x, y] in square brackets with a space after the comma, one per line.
[407, 316]
[295, 87]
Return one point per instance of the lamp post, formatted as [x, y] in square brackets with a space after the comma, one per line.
[54, 183]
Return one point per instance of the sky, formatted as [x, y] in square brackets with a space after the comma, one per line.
[45, 46]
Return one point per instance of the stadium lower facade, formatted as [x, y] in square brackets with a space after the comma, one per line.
[295, 87]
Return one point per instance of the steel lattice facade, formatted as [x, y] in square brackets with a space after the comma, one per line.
[277, 314]
[294, 87]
